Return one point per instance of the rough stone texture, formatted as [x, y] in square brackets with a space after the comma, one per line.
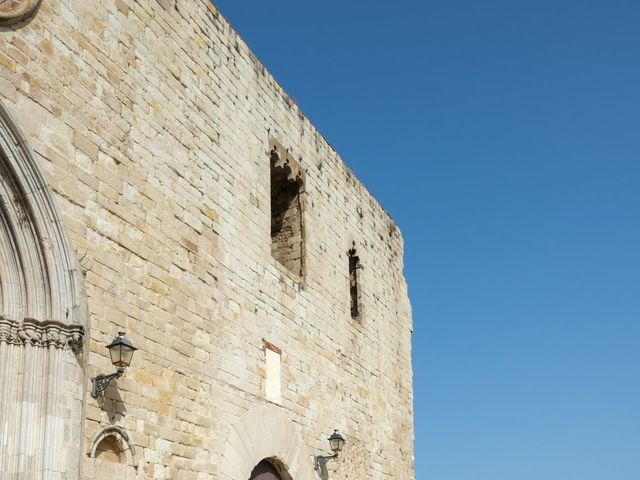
[153, 122]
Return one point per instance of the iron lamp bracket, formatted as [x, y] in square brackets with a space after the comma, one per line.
[101, 382]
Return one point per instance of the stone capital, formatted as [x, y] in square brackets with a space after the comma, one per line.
[42, 334]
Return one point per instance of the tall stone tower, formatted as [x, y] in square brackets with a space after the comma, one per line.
[156, 180]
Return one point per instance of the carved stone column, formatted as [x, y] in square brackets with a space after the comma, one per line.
[34, 424]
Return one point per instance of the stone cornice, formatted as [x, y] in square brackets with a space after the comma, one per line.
[41, 334]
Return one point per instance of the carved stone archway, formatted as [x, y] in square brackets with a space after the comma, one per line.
[263, 433]
[42, 318]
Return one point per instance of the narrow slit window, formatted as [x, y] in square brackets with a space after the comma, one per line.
[286, 215]
[354, 266]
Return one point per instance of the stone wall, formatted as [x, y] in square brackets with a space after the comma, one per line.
[154, 122]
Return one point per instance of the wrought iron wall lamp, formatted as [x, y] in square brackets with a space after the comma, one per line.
[336, 442]
[121, 351]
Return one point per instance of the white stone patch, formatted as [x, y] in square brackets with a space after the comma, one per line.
[273, 383]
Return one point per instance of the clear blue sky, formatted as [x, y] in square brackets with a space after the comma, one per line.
[504, 138]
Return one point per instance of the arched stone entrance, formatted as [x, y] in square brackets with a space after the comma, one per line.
[266, 433]
[42, 319]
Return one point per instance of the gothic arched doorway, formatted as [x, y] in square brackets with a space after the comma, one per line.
[42, 318]
[265, 471]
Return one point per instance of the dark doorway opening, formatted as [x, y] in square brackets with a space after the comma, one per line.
[265, 471]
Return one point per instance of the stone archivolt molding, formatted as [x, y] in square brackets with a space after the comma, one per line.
[39, 272]
[41, 334]
[266, 432]
[12, 11]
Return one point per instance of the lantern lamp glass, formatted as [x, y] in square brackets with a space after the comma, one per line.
[121, 351]
[336, 441]
[126, 354]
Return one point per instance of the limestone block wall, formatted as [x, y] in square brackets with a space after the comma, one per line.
[154, 122]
